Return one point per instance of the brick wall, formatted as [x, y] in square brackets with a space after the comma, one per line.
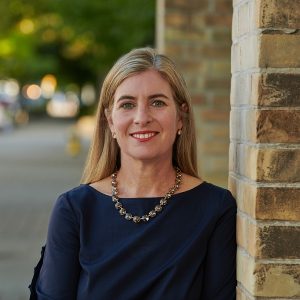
[264, 146]
[197, 35]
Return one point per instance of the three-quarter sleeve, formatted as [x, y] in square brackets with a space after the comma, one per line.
[58, 278]
[220, 262]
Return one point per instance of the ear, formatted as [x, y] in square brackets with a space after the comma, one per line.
[109, 119]
[184, 107]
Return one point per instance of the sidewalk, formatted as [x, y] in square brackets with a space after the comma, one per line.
[34, 170]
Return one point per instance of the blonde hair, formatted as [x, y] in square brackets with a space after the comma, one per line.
[104, 155]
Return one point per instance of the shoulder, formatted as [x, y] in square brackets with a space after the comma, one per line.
[215, 204]
[221, 198]
[216, 198]
[78, 198]
[76, 194]
[193, 183]
[77, 206]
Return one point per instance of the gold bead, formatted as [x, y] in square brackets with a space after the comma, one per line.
[136, 219]
[122, 211]
[152, 213]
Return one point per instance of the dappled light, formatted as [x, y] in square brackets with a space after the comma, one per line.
[32, 91]
[48, 85]
[26, 26]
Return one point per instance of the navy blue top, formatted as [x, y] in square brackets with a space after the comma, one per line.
[187, 252]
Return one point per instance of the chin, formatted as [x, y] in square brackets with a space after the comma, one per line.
[147, 156]
[144, 157]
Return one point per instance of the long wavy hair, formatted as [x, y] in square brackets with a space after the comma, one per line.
[104, 153]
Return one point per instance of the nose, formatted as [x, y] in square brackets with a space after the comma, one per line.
[142, 116]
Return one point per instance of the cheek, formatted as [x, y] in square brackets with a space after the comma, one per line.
[171, 121]
[120, 123]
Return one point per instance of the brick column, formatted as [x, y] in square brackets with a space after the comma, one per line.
[197, 35]
[264, 146]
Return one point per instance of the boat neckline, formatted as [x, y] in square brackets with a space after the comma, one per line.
[157, 197]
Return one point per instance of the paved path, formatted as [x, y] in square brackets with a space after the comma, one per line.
[34, 170]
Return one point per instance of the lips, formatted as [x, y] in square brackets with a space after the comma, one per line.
[144, 135]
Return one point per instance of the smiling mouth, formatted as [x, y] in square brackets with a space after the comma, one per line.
[144, 136]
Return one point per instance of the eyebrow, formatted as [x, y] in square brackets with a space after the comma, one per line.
[158, 96]
[128, 97]
[125, 97]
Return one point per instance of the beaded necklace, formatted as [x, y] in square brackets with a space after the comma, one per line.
[152, 213]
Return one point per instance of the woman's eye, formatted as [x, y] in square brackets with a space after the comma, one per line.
[127, 105]
[158, 103]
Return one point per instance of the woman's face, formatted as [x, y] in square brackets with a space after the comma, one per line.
[144, 117]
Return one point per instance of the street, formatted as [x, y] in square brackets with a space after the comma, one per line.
[34, 169]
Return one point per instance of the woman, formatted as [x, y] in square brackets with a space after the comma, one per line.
[142, 225]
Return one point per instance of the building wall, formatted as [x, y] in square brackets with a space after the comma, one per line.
[264, 147]
[197, 35]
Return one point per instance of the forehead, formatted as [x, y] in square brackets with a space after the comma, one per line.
[150, 81]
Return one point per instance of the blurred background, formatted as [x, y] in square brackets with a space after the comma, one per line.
[53, 58]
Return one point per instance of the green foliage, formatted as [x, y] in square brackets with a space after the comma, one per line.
[75, 40]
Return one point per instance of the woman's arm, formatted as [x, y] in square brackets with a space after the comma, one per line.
[58, 278]
[220, 263]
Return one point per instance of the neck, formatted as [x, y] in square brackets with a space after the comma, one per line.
[145, 179]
